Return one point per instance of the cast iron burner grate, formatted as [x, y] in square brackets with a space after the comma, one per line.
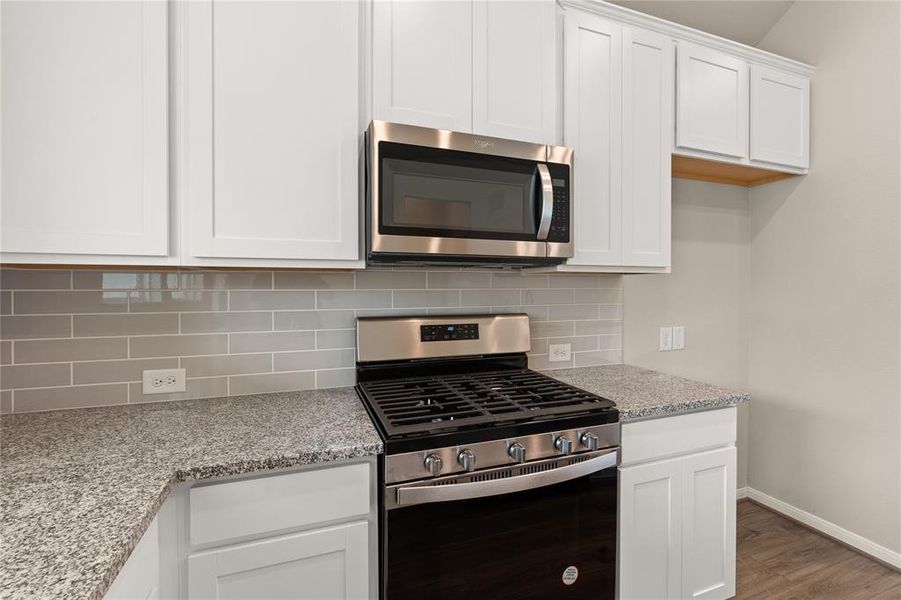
[433, 404]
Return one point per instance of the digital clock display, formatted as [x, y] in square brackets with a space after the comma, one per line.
[449, 332]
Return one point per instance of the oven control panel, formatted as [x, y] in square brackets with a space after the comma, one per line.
[445, 333]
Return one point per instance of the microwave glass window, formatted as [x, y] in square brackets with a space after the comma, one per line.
[436, 192]
[436, 196]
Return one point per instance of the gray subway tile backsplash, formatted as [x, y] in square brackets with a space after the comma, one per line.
[314, 319]
[85, 336]
[131, 324]
[33, 376]
[79, 396]
[65, 302]
[276, 341]
[177, 301]
[35, 326]
[271, 300]
[213, 322]
[303, 280]
[68, 350]
[115, 371]
[271, 382]
[229, 364]
[149, 346]
[36, 279]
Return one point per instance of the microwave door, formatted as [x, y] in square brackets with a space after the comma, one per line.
[435, 201]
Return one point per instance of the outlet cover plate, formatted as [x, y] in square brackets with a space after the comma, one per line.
[559, 352]
[163, 381]
[666, 339]
[678, 337]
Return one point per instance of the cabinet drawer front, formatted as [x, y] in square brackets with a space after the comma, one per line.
[251, 507]
[671, 436]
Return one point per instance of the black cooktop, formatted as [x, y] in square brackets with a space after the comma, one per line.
[459, 405]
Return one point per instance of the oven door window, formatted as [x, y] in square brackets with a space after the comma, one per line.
[519, 546]
[445, 193]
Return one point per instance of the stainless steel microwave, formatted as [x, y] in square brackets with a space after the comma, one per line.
[440, 197]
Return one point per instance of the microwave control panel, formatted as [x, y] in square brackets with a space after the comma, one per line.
[560, 178]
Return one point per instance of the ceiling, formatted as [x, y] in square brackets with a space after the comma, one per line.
[745, 21]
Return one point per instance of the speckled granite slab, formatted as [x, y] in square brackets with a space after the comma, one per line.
[79, 487]
[642, 394]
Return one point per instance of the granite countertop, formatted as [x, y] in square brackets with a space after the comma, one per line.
[644, 394]
[79, 487]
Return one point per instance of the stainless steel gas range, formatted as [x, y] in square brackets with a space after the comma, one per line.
[498, 482]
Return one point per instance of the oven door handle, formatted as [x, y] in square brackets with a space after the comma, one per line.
[547, 201]
[420, 493]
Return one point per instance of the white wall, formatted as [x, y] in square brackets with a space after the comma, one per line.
[706, 292]
[825, 427]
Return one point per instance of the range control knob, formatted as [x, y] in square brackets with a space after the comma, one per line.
[467, 460]
[432, 462]
[590, 441]
[563, 445]
[517, 452]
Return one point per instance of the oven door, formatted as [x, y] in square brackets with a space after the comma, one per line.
[441, 194]
[531, 532]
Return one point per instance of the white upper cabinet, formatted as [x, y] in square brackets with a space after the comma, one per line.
[647, 143]
[780, 117]
[712, 101]
[514, 85]
[618, 118]
[592, 126]
[422, 63]
[85, 131]
[273, 132]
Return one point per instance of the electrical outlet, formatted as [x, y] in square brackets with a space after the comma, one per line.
[559, 352]
[666, 339]
[678, 337]
[164, 381]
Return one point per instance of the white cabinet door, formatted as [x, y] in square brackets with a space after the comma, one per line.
[647, 144]
[514, 79]
[85, 128]
[708, 528]
[273, 131]
[422, 63]
[650, 534]
[780, 117]
[712, 101]
[592, 126]
[325, 564]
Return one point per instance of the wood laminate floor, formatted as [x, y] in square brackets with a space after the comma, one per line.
[781, 560]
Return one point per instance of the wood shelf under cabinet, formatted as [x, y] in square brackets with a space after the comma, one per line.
[687, 167]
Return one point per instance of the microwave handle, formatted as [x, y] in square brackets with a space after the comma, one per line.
[547, 201]
[419, 493]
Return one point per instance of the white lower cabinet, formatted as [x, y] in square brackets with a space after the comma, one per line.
[650, 515]
[324, 564]
[708, 524]
[304, 534]
[677, 508]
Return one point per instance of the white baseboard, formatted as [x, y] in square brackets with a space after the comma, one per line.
[828, 528]
[741, 492]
